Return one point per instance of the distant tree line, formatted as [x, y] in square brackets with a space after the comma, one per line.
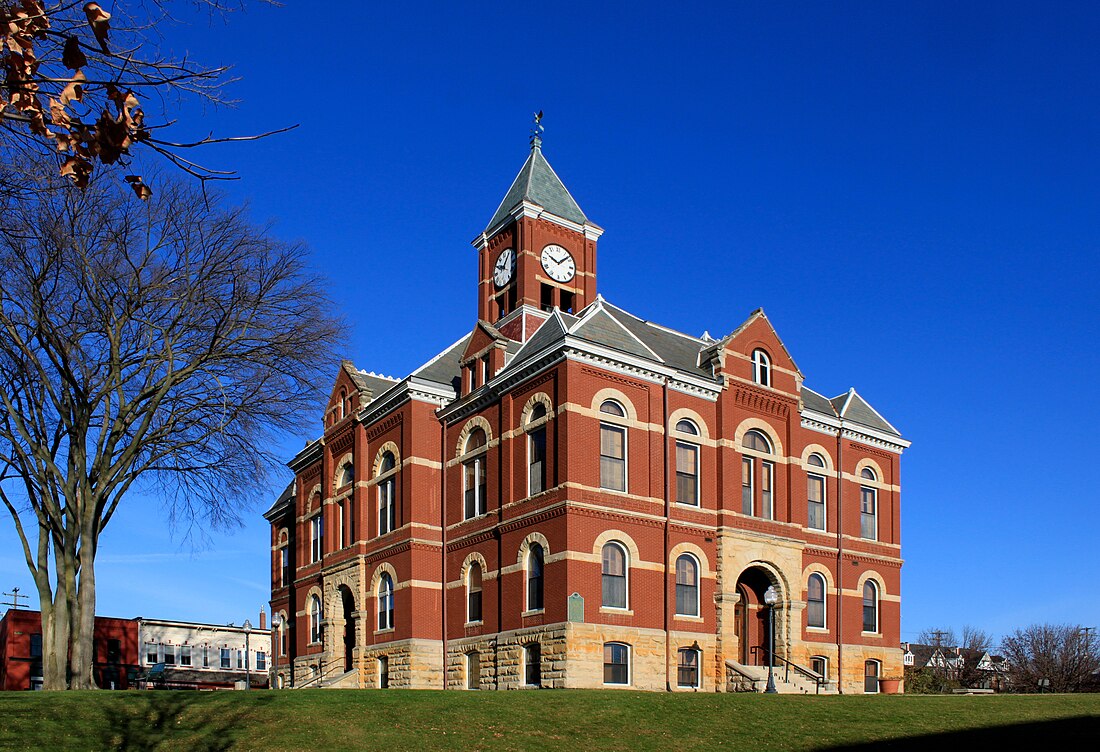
[1037, 658]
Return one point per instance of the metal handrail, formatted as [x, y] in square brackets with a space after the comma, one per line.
[323, 674]
[818, 680]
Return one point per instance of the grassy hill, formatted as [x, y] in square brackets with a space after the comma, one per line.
[574, 720]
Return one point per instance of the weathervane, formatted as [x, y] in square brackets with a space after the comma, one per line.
[536, 131]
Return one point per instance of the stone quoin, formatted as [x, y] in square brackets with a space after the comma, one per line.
[573, 496]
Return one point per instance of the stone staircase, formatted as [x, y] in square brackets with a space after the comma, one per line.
[743, 678]
[346, 680]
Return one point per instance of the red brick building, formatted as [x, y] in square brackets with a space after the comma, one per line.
[115, 642]
[573, 496]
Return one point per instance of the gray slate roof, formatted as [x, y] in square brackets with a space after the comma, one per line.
[446, 367]
[538, 183]
[851, 406]
[286, 498]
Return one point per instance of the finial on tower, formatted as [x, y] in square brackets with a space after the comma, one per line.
[536, 131]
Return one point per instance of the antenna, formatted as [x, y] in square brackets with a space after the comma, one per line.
[15, 596]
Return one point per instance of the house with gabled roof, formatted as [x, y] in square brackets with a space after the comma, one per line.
[571, 495]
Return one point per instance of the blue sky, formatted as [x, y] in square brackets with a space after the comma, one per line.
[909, 190]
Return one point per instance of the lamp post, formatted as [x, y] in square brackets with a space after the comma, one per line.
[771, 597]
[247, 668]
[275, 646]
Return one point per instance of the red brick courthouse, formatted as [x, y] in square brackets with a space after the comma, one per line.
[573, 496]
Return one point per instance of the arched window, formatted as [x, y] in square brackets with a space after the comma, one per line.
[316, 536]
[687, 465]
[314, 619]
[473, 593]
[687, 585]
[815, 601]
[615, 566]
[815, 492]
[612, 446]
[473, 670]
[340, 407]
[870, 677]
[532, 664]
[536, 451]
[383, 672]
[687, 670]
[385, 601]
[757, 477]
[387, 505]
[534, 577]
[870, 606]
[347, 475]
[473, 475]
[616, 663]
[761, 368]
[868, 506]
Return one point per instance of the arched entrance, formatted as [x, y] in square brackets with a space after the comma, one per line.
[348, 603]
[750, 621]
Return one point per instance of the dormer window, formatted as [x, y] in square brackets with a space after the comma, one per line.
[761, 368]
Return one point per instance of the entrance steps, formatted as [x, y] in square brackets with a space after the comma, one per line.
[346, 680]
[745, 678]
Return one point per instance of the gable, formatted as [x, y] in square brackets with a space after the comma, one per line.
[758, 332]
[483, 337]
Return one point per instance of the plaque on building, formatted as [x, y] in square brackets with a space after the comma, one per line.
[576, 607]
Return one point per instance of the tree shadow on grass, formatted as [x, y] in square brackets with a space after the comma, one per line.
[176, 721]
[1080, 732]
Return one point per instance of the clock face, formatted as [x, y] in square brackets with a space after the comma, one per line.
[557, 262]
[505, 267]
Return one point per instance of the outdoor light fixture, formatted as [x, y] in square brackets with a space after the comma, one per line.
[276, 643]
[771, 597]
[247, 670]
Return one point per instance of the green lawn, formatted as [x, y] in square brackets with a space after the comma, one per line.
[576, 721]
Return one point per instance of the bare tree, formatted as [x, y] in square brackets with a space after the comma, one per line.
[1060, 654]
[163, 345]
[75, 81]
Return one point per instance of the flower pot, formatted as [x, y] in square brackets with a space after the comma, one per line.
[889, 686]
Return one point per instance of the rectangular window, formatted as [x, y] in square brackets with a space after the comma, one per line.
[114, 651]
[316, 538]
[387, 511]
[240, 658]
[687, 473]
[169, 654]
[546, 298]
[152, 653]
[687, 590]
[473, 605]
[284, 566]
[225, 658]
[746, 485]
[341, 538]
[616, 663]
[261, 660]
[815, 495]
[474, 485]
[868, 523]
[536, 450]
[612, 457]
[820, 666]
[185, 655]
[36, 646]
[767, 472]
[532, 664]
[206, 656]
[485, 369]
[870, 677]
[687, 672]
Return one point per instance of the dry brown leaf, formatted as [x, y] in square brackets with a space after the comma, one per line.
[73, 57]
[58, 115]
[74, 90]
[100, 21]
[78, 169]
[143, 191]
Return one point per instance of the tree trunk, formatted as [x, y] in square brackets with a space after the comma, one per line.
[83, 661]
[55, 637]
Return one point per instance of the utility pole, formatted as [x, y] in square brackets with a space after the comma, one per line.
[15, 596]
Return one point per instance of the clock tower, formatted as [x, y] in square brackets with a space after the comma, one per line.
[538, 252]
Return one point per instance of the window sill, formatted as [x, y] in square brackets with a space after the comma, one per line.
[478, 623]
[617, 686]
[818, 630]
[619, 611]
[533, 612]
[614, 490]
[689, 504]
[870, 634]
[688, 617]
[387, 630]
